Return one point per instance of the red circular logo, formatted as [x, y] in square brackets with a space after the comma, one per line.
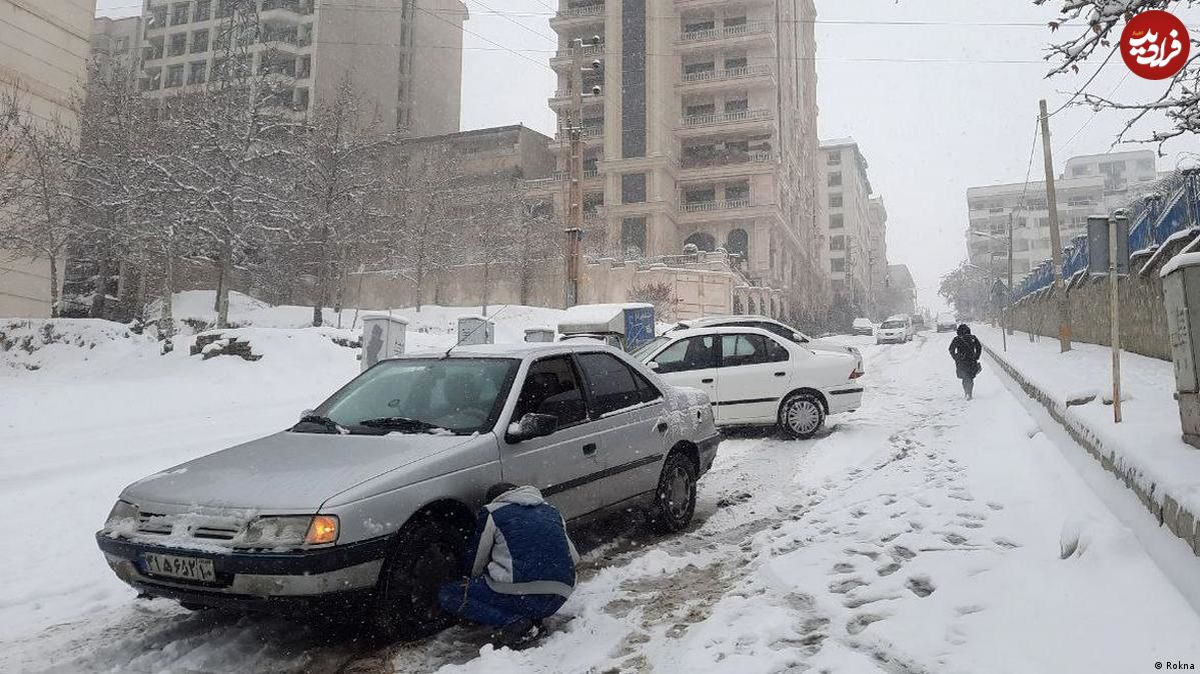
[1155, 45]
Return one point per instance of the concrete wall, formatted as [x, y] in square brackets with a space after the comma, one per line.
[1143, 316]
[44, 48]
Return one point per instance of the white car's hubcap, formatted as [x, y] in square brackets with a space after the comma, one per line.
[803, 416]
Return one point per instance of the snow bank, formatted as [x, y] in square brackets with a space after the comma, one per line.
[63, 343]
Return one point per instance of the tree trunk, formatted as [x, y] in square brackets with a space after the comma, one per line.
[226, 278]
[487, 272]
[100, 292]
[220, 283]
[54, 296]
[166, 321]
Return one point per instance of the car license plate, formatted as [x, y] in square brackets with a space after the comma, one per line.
[187, 568]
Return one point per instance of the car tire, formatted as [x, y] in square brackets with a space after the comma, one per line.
[801, 415]
[427, 553]
[675, 497]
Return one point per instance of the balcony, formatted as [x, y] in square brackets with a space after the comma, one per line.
[562, 58]
[562, 98]
[740, 121]
[559, 177]
[590, 133]
[708, 206]
[746, 32]
[578, 16]
[716, 78]
[726, 164]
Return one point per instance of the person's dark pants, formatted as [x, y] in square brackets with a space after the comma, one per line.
[474, 600]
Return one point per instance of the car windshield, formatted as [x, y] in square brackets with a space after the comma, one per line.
[891, 325]
[456, 395]
[649, 347]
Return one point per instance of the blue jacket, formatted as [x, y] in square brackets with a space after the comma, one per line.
[522, 543]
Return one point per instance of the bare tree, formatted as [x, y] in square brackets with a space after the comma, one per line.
[339, 172]
[1179, 102]
[37, 219]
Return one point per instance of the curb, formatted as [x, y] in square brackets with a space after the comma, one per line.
[1181, 522]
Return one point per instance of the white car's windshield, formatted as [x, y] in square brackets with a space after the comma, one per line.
[648, 348]
[892, 325]
[459, 395]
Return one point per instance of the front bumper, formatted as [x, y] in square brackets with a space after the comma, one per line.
[275, 582]
[895, 339]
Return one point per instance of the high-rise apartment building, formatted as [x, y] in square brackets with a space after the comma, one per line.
[43, 55]
[1090, 185]
[117, 43]
[855, 225]
[703, 132]
[404, 58]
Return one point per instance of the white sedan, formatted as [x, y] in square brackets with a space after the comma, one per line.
[756, 378]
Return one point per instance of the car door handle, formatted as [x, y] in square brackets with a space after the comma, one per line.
[706, 381]
[780, 374]
[661, 427]
[589, 449]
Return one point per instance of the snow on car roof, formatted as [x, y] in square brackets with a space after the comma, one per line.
[518, 350]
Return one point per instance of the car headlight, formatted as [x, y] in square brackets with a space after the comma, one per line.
[122, 512]
[281, 531]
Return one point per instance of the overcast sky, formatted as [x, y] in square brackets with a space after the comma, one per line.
[941, 96]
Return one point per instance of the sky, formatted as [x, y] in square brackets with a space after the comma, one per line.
[941, 96]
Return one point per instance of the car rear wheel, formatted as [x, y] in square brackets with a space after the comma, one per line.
[427, 554]
[675, 499]
[801, 416]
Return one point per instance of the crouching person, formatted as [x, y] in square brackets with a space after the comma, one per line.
[521, 566]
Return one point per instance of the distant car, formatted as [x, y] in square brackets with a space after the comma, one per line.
[946, 324]
[896, 330]
[773, 326]
[757, 378]
[363, 508]
[863, 326]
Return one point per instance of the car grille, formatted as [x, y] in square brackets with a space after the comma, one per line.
[162, 525]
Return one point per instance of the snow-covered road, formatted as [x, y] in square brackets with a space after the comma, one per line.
[920, 534]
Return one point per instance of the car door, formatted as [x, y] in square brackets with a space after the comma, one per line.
[690, 362]
[627, 411]
[753, 375]
[561, 463]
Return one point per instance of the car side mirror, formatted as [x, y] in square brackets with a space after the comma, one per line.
[652, 365]
[305, 413]
[533, 426]
[797, 337]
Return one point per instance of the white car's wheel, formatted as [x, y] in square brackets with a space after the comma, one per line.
[801, 415]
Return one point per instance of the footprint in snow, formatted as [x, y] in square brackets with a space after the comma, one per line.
[846, 586]
[972, 516]
[954, 539]
[888, 569]
[902, 552]
[995, 506]
[1005, 543]
[842, 567]
[968, 610]
[859, 623]
[921, 586]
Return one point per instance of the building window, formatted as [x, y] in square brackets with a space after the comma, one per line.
[837, 243]
[699, 109]
[179, 13]
[696, 68]
[837, 265]
[738, 105]
[835, 200]
[702, 241]
[737, 192]
[152, 79]
[835, 179]
[178, 44]
[834, 158]
[203, 10]
[697, 26]
[197, 72]
[633, 236]
[836, 221]
[158, 17]
[175, 76]
[736, 63]
[738, 243]
[735, 21]
[200, 42]
[703, 195]
[154, 50]
[633, 188]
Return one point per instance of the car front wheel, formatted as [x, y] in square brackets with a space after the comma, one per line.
[427, 554]
[675, 499]
[801, 415]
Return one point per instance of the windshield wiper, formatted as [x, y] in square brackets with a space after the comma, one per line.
[402, 424]
[326, 423]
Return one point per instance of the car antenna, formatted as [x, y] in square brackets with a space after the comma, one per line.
[468, 335]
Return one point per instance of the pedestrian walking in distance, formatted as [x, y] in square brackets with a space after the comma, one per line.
[520, 566]
[965, 349]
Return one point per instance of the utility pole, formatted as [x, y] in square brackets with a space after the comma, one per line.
[574, 131]
[1114, 318]
[1064, 308]
[1008, 304]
